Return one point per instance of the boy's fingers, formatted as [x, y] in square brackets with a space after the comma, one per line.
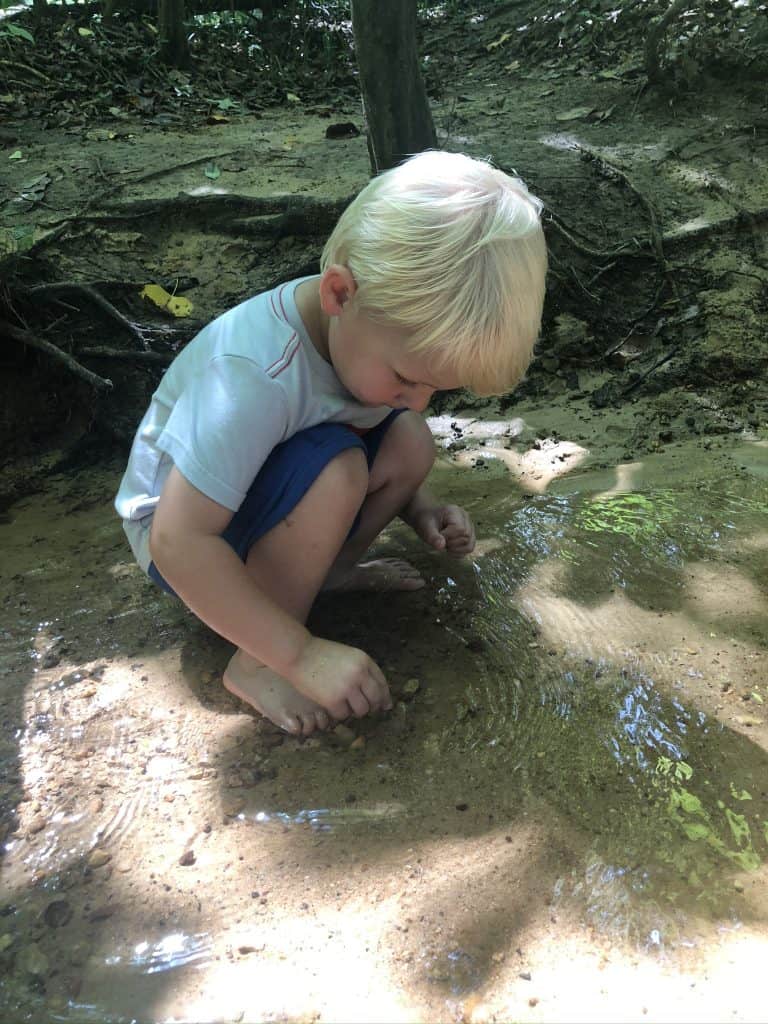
[339, 710]
[359, 703]
[375, 694]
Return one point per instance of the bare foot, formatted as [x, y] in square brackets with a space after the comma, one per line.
[379, 574]
[273, 696]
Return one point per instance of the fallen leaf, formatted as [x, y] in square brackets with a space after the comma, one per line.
[34, 191]
[499, 42]
[292, 97]
[575, 113]
[174, 304]
[16, 155]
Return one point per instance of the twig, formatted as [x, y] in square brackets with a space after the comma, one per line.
[89, 292]
[178, 167]
[19, 334]
[25, 67]
[608, 169]
[646, 373]
[601, 254]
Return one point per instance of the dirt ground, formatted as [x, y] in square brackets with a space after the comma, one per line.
[565, 818]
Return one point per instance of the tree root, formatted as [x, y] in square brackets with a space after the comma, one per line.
[71, 287]
[27, 338]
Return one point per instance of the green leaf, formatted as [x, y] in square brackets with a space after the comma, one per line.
[16, 30]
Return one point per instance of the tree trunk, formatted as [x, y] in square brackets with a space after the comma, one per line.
[394, 96]
[174, 46]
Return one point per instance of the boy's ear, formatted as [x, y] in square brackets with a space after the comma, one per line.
[337, 287]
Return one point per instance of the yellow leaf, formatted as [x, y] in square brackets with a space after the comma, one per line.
[174, 304]
[499, 42]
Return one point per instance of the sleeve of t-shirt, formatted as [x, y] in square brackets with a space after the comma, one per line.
[223, 425]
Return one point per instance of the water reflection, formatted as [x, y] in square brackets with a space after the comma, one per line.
[667, 793]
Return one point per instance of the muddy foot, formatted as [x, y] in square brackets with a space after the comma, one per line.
[379, 574]
[273, 696]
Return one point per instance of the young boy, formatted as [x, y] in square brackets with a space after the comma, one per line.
[287, 434]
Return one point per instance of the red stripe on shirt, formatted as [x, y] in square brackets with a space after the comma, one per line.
[284, 358]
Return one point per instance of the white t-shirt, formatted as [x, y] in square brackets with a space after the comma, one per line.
[248, 381]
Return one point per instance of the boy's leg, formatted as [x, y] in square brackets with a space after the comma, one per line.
[289, 563]
[401, 465]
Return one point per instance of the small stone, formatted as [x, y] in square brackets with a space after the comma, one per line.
[533, 1001]
[102, 912]
[233, 806]
[57, 913]
[462, 805]
[32, 960]
[411, 687]
[273, 739]
[187, 858]
[738, 886]
[98, 858]
[37, 824]
[344, 734]
[357, 744]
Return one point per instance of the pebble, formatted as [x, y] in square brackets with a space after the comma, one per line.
[344, 734]
[187, 858]
[57, 913]
[232, 806]
[32, 960]
[102, 912]
[98, 858]
[37, 824]
[411, 687]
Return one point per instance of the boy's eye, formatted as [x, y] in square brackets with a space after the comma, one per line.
[403, 380]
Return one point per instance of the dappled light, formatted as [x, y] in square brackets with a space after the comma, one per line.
[563, 816]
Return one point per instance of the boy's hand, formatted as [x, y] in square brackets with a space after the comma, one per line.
[445, 528]
[342, 679]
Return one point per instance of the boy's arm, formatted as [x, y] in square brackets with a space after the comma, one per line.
[187, 547]
[444, 527]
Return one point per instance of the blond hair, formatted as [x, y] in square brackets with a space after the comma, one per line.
[451, 250]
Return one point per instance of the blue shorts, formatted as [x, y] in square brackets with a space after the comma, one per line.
[284, 479]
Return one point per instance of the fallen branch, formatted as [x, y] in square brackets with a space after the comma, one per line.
[71, 287]
[26, 338]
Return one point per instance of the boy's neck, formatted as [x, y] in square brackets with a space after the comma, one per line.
[307, 299]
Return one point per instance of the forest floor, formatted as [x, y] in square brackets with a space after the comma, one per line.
[565, 818]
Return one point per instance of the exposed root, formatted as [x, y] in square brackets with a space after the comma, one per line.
[27, 338]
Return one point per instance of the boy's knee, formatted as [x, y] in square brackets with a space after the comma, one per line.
[347, 474]
[413, 448]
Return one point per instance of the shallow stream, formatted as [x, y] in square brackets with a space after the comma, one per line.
[565, 817]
